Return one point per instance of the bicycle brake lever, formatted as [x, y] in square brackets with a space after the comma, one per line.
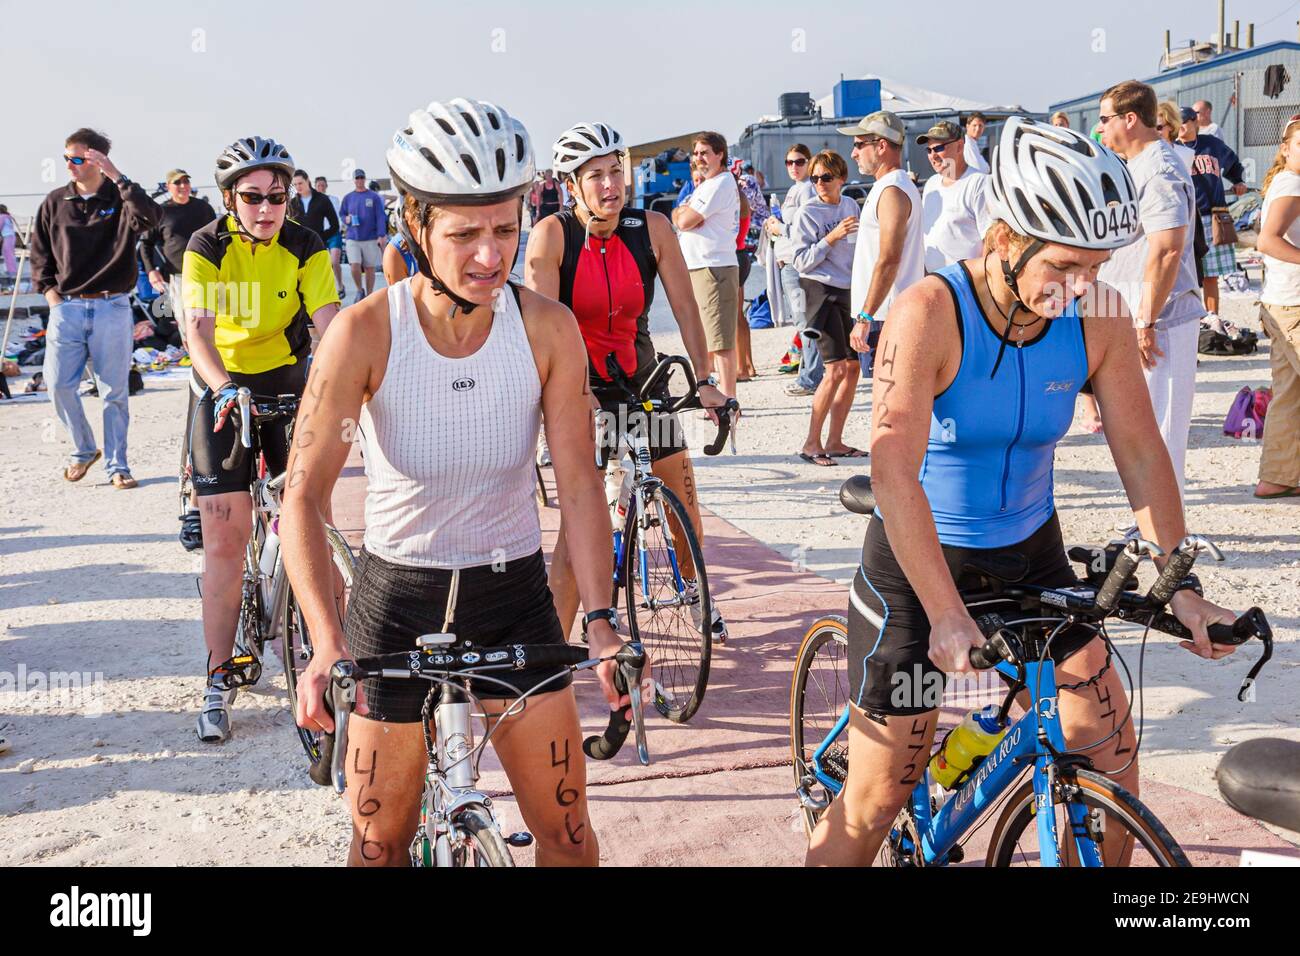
[634, 672]
[244, 399]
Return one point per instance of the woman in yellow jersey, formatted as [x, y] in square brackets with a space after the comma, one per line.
[252, 284]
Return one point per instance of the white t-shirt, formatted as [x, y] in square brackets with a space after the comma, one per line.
[1186, 154]
[1282, 279]
[952, 219]
[1166, 200]
[974, 158]
[713, 243]
[1211, 130]
[911, 267]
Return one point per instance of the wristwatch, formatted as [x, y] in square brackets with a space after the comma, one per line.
[122, 180]
[863, 317]
[711, 380]
[608, 613]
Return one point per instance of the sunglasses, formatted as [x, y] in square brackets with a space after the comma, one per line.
[1103, 119]
[860, 143]
[256, 199]
[74, 160]
[799, 161]
[826, 178]
[940, 148]
[184, 181]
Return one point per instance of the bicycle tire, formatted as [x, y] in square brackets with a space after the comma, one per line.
[1097, 792]
[487, 845]
[295, 641]
[684, 655]
[832, 629]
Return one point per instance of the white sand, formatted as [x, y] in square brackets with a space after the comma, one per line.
[93, 579]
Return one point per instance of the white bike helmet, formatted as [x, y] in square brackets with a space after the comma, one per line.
[585, 141]
[462, 152]
[1056, 185]
[249, 153]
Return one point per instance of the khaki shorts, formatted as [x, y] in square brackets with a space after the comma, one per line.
[365, 253]
[717, 293]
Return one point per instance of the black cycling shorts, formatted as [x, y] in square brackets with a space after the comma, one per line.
[617, 416]
[392, 604]
[209, 449]
[890, 671]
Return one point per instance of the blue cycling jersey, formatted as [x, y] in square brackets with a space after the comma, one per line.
[407, 257]
[988, 464]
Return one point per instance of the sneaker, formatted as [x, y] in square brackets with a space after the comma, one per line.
[191, 530]
[796, 390]
[214, 719]
[692, 595]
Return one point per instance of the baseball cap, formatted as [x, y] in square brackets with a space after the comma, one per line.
[1188, 114]
[881, 123]
[176, 174]
[944, 131]
[358, 174]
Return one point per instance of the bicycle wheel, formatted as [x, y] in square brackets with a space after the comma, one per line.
[295, 643]
[1127, 831]
[484, 845]
[818, 696]
[661, 613]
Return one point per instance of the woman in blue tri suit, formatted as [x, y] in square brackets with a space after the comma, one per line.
[975, 382]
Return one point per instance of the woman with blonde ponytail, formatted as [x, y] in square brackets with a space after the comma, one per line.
[1279, 313]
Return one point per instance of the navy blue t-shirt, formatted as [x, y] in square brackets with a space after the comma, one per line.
[1214, 160]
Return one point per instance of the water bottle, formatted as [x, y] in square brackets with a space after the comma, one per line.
[270, 551]
[618, 486]
[966, 744]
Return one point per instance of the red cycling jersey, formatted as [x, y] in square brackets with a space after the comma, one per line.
[609, 286]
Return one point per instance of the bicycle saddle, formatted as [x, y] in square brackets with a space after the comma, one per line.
[856, 496]
[1261, 778]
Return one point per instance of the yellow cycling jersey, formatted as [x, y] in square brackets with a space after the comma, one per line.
[261, 294]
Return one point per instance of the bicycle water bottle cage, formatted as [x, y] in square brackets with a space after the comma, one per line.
[242, 671]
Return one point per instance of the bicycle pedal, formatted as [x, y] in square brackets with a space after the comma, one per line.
[520, 839]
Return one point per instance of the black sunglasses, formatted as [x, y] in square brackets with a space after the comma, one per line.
[799, 161]
[823, 178]
[940, 148]
[256, 199]
[74, 160]
[183, 181]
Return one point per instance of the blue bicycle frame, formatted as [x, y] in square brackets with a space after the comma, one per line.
[1032, 738]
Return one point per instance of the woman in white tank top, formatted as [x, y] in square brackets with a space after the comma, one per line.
[446, 376]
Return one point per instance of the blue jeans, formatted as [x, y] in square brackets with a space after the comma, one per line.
[98, 330]
[811, 367]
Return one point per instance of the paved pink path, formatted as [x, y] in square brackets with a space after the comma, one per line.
[719, 790]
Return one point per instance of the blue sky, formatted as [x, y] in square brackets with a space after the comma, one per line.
[171, 83]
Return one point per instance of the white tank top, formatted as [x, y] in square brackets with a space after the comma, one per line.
[911, 267]
[449, 445]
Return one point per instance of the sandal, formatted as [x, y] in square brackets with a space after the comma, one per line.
[821, 460]
[122, 481]
[77, 470]
[848, 452]
[1284, 493]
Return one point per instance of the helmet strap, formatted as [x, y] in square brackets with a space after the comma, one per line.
[1011, 275]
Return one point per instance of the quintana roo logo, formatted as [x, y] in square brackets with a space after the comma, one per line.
[462, 385]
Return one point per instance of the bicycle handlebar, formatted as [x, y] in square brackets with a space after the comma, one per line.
[727, 413]
[442, 662]
[251, 408]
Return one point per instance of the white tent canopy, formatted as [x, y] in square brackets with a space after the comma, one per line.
[903, 97]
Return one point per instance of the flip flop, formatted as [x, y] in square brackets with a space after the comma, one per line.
[1288, 493]
[821, 461]
[77, 470]
[849, 452]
